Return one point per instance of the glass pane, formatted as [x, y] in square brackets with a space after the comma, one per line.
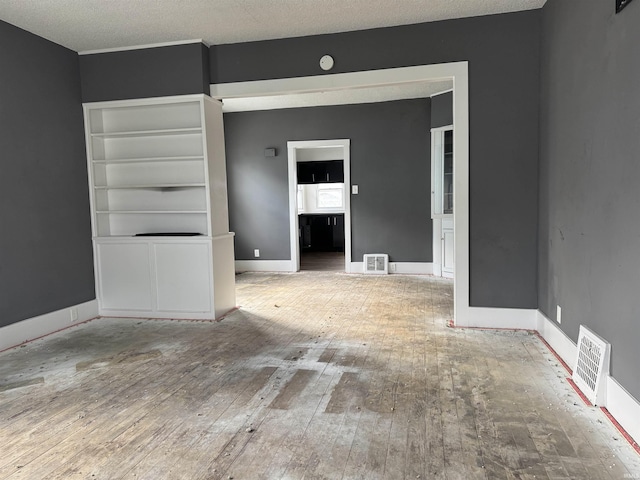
[447, 171]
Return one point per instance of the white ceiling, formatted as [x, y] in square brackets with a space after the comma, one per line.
[83, 25]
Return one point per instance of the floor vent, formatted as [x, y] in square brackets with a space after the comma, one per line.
[592, 366]
[377, 263]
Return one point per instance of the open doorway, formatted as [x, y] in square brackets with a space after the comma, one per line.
[319, 202]
[402, 78]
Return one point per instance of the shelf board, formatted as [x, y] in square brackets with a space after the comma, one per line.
[149, 133]
[150, 159]
[125, 212]
[156, 186]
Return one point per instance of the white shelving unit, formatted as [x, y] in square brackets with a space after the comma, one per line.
[157, 180]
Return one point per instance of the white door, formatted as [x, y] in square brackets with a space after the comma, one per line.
[442, 201]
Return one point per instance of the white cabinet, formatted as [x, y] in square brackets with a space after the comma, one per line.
[182, 284]
[157, 179]
[124, 281]
[442, 200]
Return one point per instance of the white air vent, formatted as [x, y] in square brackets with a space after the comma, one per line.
[592, 366]
[376, 263]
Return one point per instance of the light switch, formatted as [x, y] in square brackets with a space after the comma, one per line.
[354, 189]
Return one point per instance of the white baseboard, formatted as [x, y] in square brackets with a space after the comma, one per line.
[624, 408]
[411, 268]
[557, 339]
[32, 328]
[512, 318]
[620, 403]
[404, 268]
[264, 266]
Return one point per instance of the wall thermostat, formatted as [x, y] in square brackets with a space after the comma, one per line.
[326, 62]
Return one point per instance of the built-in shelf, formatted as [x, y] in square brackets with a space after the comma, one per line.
[124, 212]
[167, 186]
[150, 159]
[150, 163]
[149, 133]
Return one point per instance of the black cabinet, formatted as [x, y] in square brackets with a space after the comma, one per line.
[330, 171]
[337, 232]
[322, 232]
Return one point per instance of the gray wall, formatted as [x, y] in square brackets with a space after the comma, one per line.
[45, 245]
[390, 162]
[503, 55]
[589, 175]
[150, 72]
[442, 110]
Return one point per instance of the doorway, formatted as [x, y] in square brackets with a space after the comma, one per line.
[319, 204]
[401, 77]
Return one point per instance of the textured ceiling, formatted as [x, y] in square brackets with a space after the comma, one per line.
[83, 25]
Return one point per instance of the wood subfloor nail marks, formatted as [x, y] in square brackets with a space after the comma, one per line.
[319, 375]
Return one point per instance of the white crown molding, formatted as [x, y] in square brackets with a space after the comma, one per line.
[143, 47]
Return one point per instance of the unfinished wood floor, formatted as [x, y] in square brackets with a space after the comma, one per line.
[322, 261]
[317, 376]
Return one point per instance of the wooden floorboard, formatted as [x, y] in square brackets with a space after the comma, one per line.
[318, 375]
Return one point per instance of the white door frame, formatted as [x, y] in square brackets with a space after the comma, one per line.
[456, 71]
[292, 148]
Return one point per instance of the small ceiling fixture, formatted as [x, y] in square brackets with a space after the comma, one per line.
[326, 62]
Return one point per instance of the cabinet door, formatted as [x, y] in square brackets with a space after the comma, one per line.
[335, 171]
[183, 277]
[124, 276]
[306, 173]
[338, 232]
[321, 236]
[448, 264]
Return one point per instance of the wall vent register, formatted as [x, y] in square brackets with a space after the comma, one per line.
[592, 366]
[376, 263]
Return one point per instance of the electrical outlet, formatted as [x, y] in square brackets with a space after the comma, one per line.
[393, 267]
[354, 189]
[256, 252]
[558, 314]
[73, 314]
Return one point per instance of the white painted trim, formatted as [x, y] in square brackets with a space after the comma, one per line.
[441, 93]
[411, 268]
[557, 339]
[338, 81]
[263, 266]
[294, 226]
[462, 312]
[620, 403]
[35, 327]
[195, 97]
[459, 72]
[356, 267]
[444, 128]
[512, 318]
[624, 408]
[143, 47]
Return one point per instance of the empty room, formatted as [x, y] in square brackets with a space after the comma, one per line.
[320, 239]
